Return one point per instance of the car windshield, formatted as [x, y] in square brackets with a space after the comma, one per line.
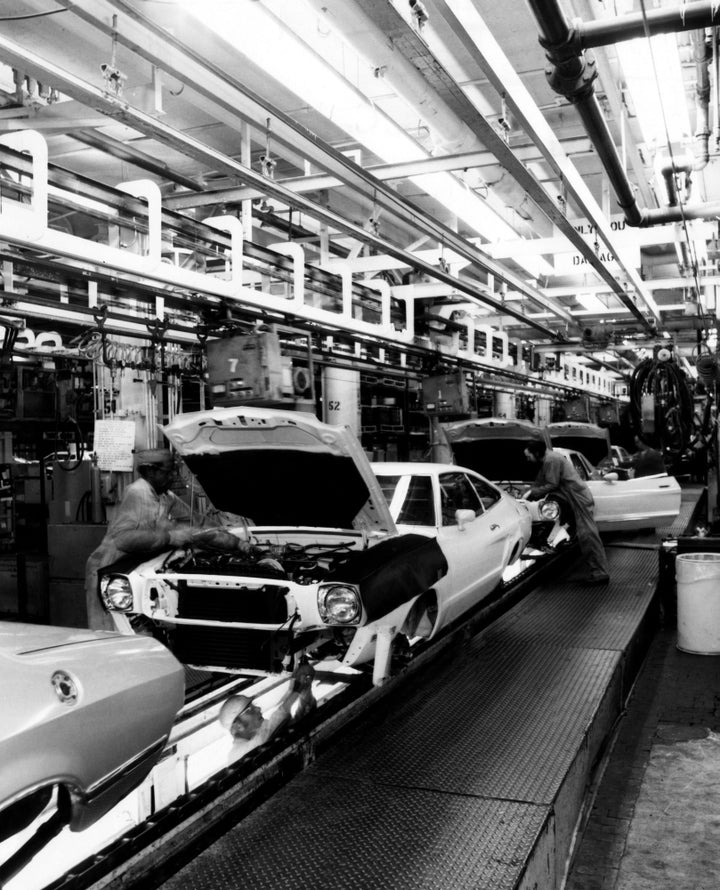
[410, 498]
[496, 459]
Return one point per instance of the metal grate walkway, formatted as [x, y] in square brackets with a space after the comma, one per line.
[475, 778]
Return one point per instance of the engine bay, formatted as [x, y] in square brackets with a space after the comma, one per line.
[300, 563]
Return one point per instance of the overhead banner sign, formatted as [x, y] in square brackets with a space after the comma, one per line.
[573, 263]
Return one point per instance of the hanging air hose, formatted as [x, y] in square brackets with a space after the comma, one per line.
[661, 406]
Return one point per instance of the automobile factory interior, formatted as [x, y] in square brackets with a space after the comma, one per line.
[359, 369]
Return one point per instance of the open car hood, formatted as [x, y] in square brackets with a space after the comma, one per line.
[589, 439]
[495, 447]
[281, 468]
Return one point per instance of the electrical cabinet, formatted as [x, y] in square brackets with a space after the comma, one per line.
[246, 368]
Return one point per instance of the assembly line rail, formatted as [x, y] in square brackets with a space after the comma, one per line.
[194, 817]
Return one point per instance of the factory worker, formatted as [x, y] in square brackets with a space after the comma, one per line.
[147, 520]
[557, 474]
[647, 461]
[150, 518]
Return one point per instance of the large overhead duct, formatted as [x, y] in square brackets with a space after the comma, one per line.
[573, 74]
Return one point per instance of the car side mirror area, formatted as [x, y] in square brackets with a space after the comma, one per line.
[462, 517]
[611, 477]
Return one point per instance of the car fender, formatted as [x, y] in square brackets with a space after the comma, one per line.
[392, 574]
[363, 645]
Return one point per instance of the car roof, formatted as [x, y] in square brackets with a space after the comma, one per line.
[408, 466]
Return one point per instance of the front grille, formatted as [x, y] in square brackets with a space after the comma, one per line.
[258, 605]
[231, 647]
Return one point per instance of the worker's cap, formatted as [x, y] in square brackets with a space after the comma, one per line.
[151, 457]
[232, 709]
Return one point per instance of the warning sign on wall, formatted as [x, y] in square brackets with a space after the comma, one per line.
[114, 442]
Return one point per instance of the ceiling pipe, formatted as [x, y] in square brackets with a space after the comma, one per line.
[687, 17]
[703, 57]
[572, 74]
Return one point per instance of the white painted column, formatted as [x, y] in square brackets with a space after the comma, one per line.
[505, 405]
[543, 411]
[341, 397]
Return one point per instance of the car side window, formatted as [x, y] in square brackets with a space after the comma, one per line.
[456, 493]
[579, 466]
[487, 494]
[418, 507]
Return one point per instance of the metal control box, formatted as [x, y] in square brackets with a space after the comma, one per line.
[245, 368]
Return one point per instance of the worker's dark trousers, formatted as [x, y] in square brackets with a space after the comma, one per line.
[588, 537]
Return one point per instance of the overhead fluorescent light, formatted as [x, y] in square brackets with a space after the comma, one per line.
[265, 40]
[655, 82]
[591, 302]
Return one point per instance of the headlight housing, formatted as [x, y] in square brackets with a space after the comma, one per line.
[550, 510]
[116, 593]
[339, 604]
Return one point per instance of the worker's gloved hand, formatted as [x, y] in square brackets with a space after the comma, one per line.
[219, 539]
[179, 537]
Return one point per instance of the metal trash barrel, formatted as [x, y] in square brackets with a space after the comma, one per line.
[698, 603]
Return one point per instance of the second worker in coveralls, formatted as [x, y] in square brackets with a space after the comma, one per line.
[557, 474]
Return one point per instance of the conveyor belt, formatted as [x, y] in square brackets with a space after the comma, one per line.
[474, 779]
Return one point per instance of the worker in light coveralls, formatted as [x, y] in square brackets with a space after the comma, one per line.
[150, 518]
[557, 474]
[147, 520]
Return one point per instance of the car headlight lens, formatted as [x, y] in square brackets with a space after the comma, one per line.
[339, 604]
[116, 593]
[550, 510]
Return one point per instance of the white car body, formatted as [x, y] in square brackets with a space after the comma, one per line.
[619, 454]
[333, 579]
[620, 504]
[628, 504]
[83, 711]
[491, 535]
[330, 577]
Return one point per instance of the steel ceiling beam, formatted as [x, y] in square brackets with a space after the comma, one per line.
[119, 109]
[235, 104]
[486, 52]
[417, 51]
[384, 172]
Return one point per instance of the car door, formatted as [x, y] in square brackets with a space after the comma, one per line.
[646, 502]
[475, 550]
[629, 504]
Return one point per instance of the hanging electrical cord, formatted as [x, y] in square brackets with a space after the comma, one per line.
[72, 463]
[672, 411]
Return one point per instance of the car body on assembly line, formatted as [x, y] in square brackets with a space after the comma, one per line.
[85, 716]
[481, 529]
[330, 575]
[495, 447]
[628, 504]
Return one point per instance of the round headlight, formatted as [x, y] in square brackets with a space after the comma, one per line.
[116, 593]
[550, 510]
[339, 604]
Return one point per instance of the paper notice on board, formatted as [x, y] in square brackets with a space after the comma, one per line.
[113, 445]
